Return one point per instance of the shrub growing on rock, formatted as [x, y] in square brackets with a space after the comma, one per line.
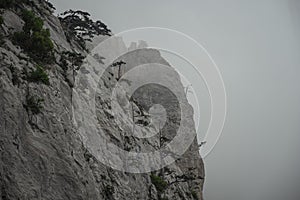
[119, 65]
[33, 104]
[32, 22]
[75, 59]
[158, 182]
[34, 39]
[70, 61]
[194, 195]
[39, 75]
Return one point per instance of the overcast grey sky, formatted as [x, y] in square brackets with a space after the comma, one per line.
[256, 45]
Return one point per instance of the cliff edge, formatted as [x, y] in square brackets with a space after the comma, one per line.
[43, 152]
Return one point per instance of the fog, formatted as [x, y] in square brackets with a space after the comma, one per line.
[256, 46]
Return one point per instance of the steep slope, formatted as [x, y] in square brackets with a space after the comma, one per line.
[43, 154]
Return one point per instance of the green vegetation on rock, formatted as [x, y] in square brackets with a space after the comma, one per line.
[71, 58]
[194, 194]
[158, 182]
[34, 39]
[39, 75]
[33, 104]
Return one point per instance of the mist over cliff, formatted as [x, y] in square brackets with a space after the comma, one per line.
[60, 130]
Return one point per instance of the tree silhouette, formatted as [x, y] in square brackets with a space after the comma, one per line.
[119, 65]
[201, 144]
[80, 27]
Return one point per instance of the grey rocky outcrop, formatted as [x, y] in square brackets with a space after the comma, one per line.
[43, 156]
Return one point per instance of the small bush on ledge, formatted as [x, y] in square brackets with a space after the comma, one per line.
[194, 194]
[158, 182]
[34, 39]
[39, 75]
[33, 104]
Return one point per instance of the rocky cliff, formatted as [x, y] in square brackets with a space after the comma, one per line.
[50, 147]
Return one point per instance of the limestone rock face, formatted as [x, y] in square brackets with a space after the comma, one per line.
[45, 156]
